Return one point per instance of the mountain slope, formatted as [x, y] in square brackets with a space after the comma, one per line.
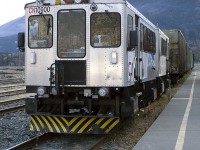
[173, 14]
[8, 35]
[12, 27]
[8, 44]
[170, 14]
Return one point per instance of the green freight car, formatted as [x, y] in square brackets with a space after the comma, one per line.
[180, 54]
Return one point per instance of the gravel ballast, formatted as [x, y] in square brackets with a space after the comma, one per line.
[14, 127]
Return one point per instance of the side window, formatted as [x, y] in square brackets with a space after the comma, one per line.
[154, 42]
[136, 20]
[141, 36]
[163, 47]
[149, 39]
[129, 28]
[145, 37]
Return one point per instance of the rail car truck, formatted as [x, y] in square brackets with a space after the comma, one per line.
[91, 64]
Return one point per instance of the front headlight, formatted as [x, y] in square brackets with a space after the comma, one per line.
[41, 91]
[53, 91]
[103, 92]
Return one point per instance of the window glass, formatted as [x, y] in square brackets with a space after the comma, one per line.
[40, 31]
[145, 41]
[129, 27]
[141, 36]
[71, 34]
[105, 29]
[154, 42]
[149, 39]
[163, 47]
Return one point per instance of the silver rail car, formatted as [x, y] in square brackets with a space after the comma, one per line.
[90, 63]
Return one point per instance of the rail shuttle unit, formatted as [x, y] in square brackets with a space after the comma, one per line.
[91, 64]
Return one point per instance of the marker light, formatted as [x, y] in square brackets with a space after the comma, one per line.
[68, 1]
[114, 57]
[57, 2]
[78, 1]
[54, 92]
[33, 58]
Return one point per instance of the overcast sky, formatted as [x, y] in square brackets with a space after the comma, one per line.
[11, 9]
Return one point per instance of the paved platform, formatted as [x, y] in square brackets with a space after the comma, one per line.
[178, 126]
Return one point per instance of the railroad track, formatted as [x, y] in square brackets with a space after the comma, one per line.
[29, 144]
[11, 67]
[46, 141]
[12, 100]
[97, 144]
[11, 80]
[12, 103]
[11, 92]
[11, 109]
[11, 86]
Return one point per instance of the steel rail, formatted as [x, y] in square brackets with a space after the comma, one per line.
[11, 80]
[12, 100]
[12, 85]
[12, 92]
[97, 144]
[12, 109]
[31, 143]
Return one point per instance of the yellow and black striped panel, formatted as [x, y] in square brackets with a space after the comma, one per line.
[73, 125]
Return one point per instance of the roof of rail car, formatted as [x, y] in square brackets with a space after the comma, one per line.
[140, 15]
[52, 2]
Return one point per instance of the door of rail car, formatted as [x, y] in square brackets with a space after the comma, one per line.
[106, 56]
[147, 51]
[138, 55]
[71, 47]
[39, 45]
[101, 36]
[133, 52]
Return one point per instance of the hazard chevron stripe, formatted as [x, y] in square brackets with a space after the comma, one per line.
[73, 125]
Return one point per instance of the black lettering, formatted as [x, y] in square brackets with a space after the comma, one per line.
[48, 9]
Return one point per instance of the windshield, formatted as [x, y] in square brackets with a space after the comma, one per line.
[40, 31]
[163, 47]
[71, 33]
[105, 29]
